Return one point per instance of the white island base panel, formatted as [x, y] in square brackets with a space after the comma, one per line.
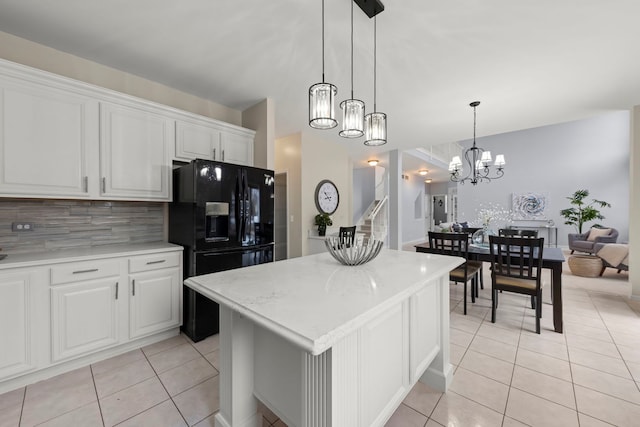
[359, 381]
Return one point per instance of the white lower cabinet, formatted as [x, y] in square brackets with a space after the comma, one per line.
[154, 301]
[84, 317]
[16, 317]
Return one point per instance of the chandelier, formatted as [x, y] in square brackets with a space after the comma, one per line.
[478, 161]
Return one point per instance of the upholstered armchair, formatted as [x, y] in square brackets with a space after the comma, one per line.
[586, 242]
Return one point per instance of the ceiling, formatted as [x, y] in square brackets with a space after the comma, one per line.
[530, 63]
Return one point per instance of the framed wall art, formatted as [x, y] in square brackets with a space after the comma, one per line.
[529, 206]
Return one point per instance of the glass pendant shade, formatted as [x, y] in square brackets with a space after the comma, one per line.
[375, 129]
[322, 106]
[352, 118]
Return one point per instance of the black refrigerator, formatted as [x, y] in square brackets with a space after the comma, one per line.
[223, 216]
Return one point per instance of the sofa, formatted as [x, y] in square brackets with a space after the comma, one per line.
[586, 242]
[613, 255]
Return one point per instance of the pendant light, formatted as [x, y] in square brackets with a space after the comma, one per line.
[322, 98]
[375, 124]
[352, 109]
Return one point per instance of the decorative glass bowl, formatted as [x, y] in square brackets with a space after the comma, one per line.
[481, 237]
[357, 253]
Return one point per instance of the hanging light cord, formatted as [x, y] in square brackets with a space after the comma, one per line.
[375, 37]
[352, 50]
[322, 41]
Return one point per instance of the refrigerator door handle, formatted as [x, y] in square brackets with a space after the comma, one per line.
[244, 206]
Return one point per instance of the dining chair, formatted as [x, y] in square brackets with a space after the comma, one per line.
[347, 235]
[470, 231]
[513, 232]
[516, 266]
[457, 244]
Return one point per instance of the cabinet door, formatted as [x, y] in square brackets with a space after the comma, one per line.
[154, 301]
[134, 153]
[237, 149]
[84, 317]
[16, 318]
[47, 138]
[196, 141]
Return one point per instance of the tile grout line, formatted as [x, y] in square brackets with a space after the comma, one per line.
[513, 369]
[24, 398]
[95, 389]
[163, 386]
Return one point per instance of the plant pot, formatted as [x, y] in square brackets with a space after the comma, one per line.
[322, 230]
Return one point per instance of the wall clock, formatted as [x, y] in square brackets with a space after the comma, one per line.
[327, 197]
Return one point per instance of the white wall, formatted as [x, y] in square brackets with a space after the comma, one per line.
[590, 154]
[364, 191]
[413, 222]
[634, 211]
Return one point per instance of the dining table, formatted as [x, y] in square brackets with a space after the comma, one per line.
[552, 259]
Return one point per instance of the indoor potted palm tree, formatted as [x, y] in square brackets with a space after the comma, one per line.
[581, 211]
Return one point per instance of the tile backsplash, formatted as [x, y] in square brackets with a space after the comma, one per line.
[60, 224]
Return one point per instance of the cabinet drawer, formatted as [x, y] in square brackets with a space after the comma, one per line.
[77, 271]
[154, 262]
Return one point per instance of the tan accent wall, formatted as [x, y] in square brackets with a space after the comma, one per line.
[325, 159]
[262, 118]
[288, 153]
[35, 55]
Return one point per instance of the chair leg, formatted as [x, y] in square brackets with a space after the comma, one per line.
[571, 251]
[538, 312]
[533, 301]
[473, 289]
[494, 304]
[481, 279]
[465, 298]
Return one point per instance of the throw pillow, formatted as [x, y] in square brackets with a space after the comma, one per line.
[597, 232]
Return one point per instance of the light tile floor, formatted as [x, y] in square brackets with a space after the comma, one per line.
[505, 374]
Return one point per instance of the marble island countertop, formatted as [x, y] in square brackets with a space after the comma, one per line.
[314, 301]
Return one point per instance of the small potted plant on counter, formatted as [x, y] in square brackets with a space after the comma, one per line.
[322, 220]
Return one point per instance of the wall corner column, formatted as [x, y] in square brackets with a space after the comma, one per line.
[395, 199]
[634, 203]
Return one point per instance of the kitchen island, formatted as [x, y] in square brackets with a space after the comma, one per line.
[323, 344]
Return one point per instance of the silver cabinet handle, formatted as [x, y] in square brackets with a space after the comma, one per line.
[156, 262]
[104, 184]
[91, 270]
[133, 287]
[117, 290]
[214, 154]
[85, 184]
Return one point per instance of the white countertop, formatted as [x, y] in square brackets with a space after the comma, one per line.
[314, 301]
[84, 254]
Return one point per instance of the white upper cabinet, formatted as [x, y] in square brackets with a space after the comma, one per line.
[134, 153]
[237, 148]
[46, 139]
[196, 141]
[208, 139]
[61, 138]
